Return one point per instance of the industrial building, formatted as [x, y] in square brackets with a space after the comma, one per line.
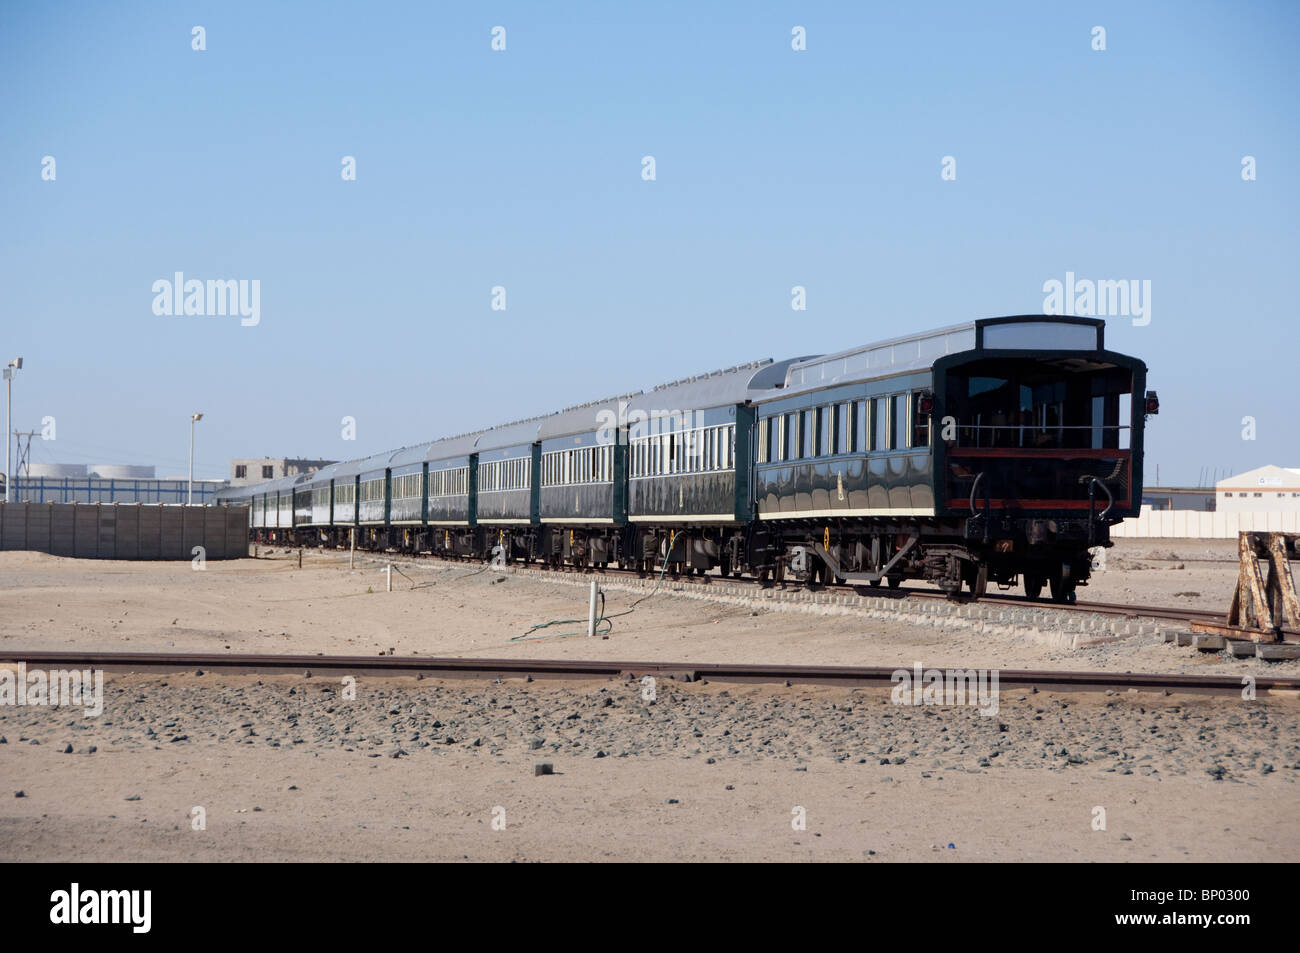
[1179, 498]
[244, 472]
[1265, 489]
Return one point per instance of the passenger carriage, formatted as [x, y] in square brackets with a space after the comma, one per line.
[987, 450]
[319, 525]
[507, 502]
[450, 470]
[582, 500]
[688, 468]
[344, 479]
[372, 501]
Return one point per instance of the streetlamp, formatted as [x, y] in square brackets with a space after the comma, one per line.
[194, 418]
[13, 367]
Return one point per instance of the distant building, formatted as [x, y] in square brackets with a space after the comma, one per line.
[1199, 498]
[259, 469]
[1270, 488]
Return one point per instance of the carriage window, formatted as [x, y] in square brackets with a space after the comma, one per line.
[861, 426]
[880, 423]
[843, 428]
[791, 437]
[1030, 404]
[808, 430]
[762, 440]
[826, 430]
[920, 425]
[899, 432]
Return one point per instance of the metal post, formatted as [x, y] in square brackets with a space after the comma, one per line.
[389, 570]
[9, 426]
[10, 370]
[591, 611]
[352, 549]
[194, 419]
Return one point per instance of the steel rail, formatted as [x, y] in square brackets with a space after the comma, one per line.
[393, 666]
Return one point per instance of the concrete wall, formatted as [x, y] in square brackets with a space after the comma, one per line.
[117, 531]
[1190, 524]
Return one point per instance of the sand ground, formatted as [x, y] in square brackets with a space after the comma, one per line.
[269, 605]
[286, 771]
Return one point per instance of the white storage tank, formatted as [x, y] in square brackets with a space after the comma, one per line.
[56, 471]
[121, 471]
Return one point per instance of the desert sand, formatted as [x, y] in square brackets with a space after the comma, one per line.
[286, 768]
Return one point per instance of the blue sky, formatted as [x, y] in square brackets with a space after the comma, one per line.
[522, 168]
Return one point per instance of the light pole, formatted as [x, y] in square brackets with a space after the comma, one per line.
[194, 418]
[13, 367]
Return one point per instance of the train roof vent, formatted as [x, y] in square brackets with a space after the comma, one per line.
[721, 372]
[521, 420]
[604, 400]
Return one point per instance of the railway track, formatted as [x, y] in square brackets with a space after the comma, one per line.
[1120, 610]
[481, 668]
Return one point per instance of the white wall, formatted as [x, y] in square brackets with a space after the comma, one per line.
[1193, 524]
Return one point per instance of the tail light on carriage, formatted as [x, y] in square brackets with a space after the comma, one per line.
[925, 403]
[1153, 403]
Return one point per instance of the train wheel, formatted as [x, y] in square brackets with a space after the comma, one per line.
[1063, 591]
[1033, 586]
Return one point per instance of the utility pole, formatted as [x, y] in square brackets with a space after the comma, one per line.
[13, 368]
[194, 419]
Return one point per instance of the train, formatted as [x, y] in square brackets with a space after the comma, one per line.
[997, 450]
